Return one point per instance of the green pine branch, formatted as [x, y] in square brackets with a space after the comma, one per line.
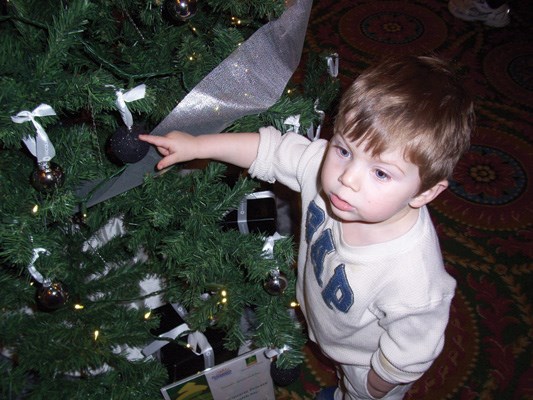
[73, 55]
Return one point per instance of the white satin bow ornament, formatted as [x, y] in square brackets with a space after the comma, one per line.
[40, 147]
[137, 93]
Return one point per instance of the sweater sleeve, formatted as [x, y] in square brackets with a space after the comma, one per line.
[411, 342]
[279, 158]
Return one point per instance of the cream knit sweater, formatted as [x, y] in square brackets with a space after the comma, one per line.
[385, 305]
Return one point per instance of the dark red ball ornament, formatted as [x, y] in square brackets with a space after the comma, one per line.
[47, 177]
[276, 284]
[180, 10]
[51, 295]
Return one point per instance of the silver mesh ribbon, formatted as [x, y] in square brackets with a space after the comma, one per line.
[248, 82]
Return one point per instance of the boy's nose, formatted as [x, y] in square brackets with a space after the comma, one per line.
[351, 179]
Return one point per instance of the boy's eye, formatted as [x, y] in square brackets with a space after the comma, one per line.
[343, 152]
[381, 175]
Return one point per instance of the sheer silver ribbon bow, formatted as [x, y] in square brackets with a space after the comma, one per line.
[249, 81]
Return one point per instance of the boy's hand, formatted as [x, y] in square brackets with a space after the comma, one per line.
[377, 387]
[239, 149]
[175, 147]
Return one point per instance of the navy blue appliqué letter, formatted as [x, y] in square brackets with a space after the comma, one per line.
[338, 293]
[323, 246]
[315, 218]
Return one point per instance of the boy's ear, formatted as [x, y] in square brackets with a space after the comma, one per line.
[427, 196]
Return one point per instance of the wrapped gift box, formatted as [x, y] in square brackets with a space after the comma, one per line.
[180, 360]
[257, 213]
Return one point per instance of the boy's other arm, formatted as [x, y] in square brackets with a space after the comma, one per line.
[239, 149]
[377, 387]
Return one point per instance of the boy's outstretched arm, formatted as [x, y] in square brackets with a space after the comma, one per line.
[239, 149]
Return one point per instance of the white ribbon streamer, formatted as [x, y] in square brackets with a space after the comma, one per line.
[171, 334]
[197, 341]
[112, 229]
[134, 94]
[151, 285]
[31, 267]
[180, 310]
[333, 64]
[200, 346]
[333, 70]
[294, 122]
[311, 133]
[40, 147]
[268, 247]
[274, 352]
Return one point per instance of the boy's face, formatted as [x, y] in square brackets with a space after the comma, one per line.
[363, 188]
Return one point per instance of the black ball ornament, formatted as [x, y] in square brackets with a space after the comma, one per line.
[126, 146]
[51, 295]
[284, 377]
[276, 284]
[180, 10]
[47, 177]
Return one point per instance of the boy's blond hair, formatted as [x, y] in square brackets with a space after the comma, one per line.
[416, 103]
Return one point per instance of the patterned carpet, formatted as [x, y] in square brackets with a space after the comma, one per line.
[485, 219]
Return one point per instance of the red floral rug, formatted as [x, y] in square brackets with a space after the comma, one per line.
[484, 220]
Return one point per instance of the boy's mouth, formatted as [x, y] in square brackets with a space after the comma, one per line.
[340, 203]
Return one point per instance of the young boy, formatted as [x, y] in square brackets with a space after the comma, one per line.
[371, 281]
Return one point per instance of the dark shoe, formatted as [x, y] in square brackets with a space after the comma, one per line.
[326, 393]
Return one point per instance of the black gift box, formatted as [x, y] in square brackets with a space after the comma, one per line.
[180, 361]
[257, 213]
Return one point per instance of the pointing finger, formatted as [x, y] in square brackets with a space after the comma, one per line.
[155, 140]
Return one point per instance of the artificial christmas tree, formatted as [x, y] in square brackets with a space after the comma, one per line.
[89, 250]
